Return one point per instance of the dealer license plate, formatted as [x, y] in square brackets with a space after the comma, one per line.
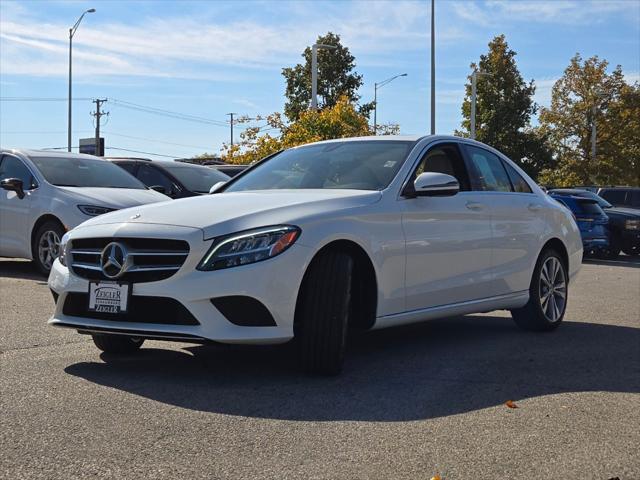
[108, 297]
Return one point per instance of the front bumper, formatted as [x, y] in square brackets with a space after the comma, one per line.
[272, 282]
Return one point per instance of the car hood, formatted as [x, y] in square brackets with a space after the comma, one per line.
[225, 213]
[621, 212]
[116, 198]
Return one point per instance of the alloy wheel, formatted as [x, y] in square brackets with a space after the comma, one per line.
[48, 248]
[553, 289]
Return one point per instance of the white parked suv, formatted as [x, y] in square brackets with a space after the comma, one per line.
[44, 194]
[354, 233]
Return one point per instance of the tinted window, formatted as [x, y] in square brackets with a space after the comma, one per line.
[13, 167]
[153, 177]
[445, 159]
[589, 207]
[616, 197]
[128, 166]
[360, 165]
[84, 172]
[519, 183]
[195, 178]
[635, 198]
[491, 175]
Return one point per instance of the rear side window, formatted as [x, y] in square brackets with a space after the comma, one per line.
[519, 184]
[615, 197]
[490, 172]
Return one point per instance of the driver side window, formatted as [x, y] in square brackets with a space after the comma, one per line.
[445, 158]
[12, 167]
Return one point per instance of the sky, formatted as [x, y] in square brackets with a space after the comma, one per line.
[204, 59]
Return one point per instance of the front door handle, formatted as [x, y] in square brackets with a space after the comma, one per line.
[474, 206]
[534, 207]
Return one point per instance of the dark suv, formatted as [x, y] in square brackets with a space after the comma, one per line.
[624, 223]
[621, 196]
[175, 179]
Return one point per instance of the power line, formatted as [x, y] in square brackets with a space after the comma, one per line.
[40, 99]
[167, 113]
[199, 147]
[145, 153]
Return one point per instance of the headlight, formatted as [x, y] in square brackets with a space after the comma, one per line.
[632, 224]
[94, 210]
[62, 251]
[249, 247]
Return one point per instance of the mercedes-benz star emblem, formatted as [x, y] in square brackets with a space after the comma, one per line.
[114, 260]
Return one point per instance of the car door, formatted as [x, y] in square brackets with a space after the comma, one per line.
[15, 218]
[517, 219]
[448, 239]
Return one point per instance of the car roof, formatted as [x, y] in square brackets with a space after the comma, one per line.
[162, 163]
[569, 191]
[48, 153]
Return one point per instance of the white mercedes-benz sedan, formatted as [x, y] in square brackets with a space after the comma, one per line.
[359, 233]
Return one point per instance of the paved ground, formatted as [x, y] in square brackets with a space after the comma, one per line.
[413, 402]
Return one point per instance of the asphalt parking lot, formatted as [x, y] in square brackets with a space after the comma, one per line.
[413, 402]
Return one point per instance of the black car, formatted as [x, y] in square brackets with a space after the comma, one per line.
[621, 196]
[624, 223]
[175, 179]
[228, 169]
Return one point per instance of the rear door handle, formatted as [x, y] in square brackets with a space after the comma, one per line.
[534, 207]
[474, 206]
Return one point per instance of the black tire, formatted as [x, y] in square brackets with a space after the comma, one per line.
[45, 232]
[533, 316]
[323, 313]
[117, 343]
[614, 248]
[632, 252]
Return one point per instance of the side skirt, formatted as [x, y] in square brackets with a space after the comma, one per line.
[501, 302]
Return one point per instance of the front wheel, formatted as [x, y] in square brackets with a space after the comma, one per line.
[323, 313]
[117, 343]
[46, 245]
[547, 295]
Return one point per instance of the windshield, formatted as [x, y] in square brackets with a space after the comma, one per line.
[359, 165]
[84, 172]
[195, 178]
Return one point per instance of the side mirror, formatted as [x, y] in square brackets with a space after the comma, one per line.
[216, 187]
[433, 184]
[158, 188]
[13, 185]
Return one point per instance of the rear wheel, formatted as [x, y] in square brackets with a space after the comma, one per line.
[321, 329]
[46, 245]
[547, 295]
[632, 251]
[117, 343]
[614, 247]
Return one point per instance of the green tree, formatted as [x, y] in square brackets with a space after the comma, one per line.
[336, 78]
[504, 107]
[585, 94]
[338, 121]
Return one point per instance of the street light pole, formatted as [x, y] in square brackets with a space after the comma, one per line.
[433, 69]
[314, 71]
[72, 32]
[376, 86]
[474, 83]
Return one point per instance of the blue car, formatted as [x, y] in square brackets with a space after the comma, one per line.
[592, 222]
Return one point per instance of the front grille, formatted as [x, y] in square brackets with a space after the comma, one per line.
[140, 309]
[153, 259]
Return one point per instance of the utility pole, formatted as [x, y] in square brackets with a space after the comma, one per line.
[231, 123]
[376, 86]
[474, 96]
[593, 132]
[314, 71]
[433, 68]
[98, 114]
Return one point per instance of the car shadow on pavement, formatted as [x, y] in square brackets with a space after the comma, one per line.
[22, 269]
[621, 261]
[436, 369]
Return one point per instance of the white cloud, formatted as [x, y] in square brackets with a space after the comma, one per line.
[567, 12]
[194, 48]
